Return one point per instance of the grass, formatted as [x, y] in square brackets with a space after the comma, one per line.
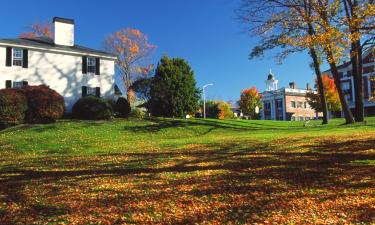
[187, 171]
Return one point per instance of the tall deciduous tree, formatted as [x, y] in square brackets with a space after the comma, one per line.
[275, 21]
[249, 100]
[173, 90]
[359, 19]
[132, 49]
[43, 29]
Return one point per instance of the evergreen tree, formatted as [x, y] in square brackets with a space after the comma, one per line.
[173, 91]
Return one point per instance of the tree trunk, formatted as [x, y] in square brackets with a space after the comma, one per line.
[351, 11]
[322, 93]
[356, 58]
[344, 104]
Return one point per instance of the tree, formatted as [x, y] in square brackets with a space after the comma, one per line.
[275, 21]
[358, 17]
[218, 110]
[332, 96]
[142, 88]
[132, 49]
[249, 100]
[173, 91]
[43, 29]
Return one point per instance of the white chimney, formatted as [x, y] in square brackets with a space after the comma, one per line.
[64, 31]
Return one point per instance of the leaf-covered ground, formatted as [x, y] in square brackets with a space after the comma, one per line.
[178, 172]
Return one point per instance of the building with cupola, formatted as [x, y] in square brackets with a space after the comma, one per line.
[287, 103]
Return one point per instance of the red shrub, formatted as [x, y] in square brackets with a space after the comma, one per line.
[13, 106]
[44, 104]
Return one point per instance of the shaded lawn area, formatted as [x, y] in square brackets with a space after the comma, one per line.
[177, 171]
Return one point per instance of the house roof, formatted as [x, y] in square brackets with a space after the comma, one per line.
[48, 43]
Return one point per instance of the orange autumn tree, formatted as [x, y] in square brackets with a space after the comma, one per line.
[332, 96]
[132, 49]
[249, 100]
[43, 29]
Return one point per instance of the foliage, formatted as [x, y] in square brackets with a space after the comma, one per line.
[177, 171]
[173, 90]
[13, 106]
[137, 113]
[92, 108]
[249, 100]
[142, 88]
[219, 110]
[38, 30]
[45, 105]
[132, 49]
[332, 96]
[122, 107]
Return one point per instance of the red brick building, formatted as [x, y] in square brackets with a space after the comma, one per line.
[285, 103]
[347, 83]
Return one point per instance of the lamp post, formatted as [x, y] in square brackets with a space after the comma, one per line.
[204, 99]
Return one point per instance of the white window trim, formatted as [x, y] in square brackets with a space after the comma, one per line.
[20, 58]
[92, 60]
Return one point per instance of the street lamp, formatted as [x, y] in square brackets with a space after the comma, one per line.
[204, 99]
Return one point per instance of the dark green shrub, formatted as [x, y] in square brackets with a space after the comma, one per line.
[45, 105]
[92, 108]
[13, 106]
[122, 107]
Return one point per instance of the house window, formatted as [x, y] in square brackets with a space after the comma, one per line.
[91, 65]
[299, 105]
[91, 91]
[349, 73]
[292, 104]
[18, 84]
[17, 57]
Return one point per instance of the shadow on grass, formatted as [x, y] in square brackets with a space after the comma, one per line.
[268, 178]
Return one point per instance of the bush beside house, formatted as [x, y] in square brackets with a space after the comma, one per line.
[92, 108]
[31, 104]
[45, 105]
[13, 107]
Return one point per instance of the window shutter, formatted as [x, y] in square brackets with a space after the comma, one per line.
[25, 83]
[8, 60]
[25, 60]
[84, 91]
[8, 84]
[97, 66]
[84, 64]
[97, 92]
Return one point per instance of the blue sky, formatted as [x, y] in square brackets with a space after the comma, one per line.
[204, 32]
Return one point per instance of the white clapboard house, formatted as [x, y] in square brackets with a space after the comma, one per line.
[71, 70]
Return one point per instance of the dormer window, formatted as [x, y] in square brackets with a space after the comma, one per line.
[17, 56]
[91, 65]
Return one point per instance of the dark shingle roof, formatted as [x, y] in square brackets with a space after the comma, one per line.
[48, 43]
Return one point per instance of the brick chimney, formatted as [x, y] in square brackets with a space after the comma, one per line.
[64, 31]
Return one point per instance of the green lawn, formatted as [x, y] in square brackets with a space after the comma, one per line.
[187, 171]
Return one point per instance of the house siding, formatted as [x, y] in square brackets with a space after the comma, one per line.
[61, 72]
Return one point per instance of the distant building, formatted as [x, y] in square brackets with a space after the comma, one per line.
[285, 103]
[347, 83]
